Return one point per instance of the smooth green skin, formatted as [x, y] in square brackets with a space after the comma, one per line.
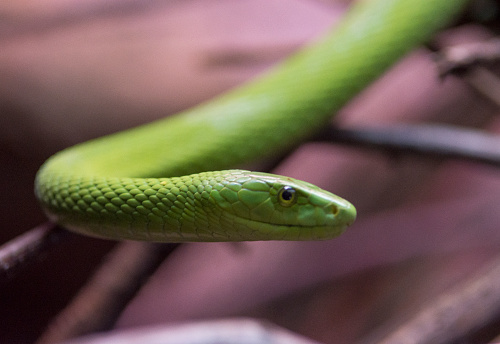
[87, 188]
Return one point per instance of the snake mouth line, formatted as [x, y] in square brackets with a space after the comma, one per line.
[343, 216]
[302, 232]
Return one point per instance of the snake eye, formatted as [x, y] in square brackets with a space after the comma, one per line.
[287, 196]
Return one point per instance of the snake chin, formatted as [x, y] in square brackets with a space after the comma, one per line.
[336, 224]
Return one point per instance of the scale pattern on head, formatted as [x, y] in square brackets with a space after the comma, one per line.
[282, 207]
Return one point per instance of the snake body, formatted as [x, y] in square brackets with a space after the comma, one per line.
[148, 183]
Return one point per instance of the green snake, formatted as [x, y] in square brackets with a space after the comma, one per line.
[149, 183]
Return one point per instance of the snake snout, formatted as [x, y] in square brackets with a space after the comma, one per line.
[345, 214]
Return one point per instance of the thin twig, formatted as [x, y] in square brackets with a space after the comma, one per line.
[22, 249]
[436, 141]
[459, 58]
[485, 83]
[456, 314]
[102, 299]
[469, 62]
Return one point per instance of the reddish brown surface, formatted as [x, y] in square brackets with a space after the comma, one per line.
[422, 225]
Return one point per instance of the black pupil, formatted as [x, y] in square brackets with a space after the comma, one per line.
[287, 195]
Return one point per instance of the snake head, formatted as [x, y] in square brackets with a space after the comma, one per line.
[272, 207]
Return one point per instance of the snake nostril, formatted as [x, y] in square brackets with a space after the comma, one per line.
[335, 209]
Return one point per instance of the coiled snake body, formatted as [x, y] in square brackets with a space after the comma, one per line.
[148, 183]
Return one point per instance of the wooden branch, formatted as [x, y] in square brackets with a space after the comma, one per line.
[102, 299]
[470, 62]
[457, 314]
[459, 58]
[435, 141]
[22, 249]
